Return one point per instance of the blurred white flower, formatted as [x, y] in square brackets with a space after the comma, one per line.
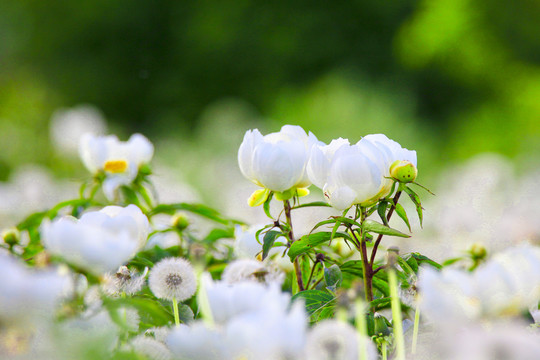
[173, 279]
[252, 270]
[245, 242]
[100, 241]
[197, 342]
[120, 161]
[68, 125]
[28, 296]
[505, 285]
[278, 160]
[331, 339]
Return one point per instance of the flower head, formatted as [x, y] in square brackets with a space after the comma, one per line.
[100, 241]
[173, 279]
[123, 281]
[251, 270]
[119, 161]
[278, 160]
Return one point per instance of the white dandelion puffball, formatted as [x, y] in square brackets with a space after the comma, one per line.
[251, 270]
[123, 281]
[100, 241]
[173, 279]
[119, 160]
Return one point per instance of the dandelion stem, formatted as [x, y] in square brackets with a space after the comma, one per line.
[361, 328]
[383, 350]
[415, 329]
[396, 314]
[175, 310]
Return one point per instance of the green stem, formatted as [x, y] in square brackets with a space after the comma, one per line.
[415, 329]
[367, 270]
[383, 350]
[397, 324]
[296, 264]
[175, 310]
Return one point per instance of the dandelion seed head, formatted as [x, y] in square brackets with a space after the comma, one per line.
[251, 270]
[123, 281]
[151, 348]
[173, 278]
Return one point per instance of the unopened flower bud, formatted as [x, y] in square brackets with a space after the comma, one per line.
[380, 326]
[403, 171]
[11, 236]
[179, 221]
[478, 251]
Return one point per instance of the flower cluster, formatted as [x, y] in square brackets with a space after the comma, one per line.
[289, 160]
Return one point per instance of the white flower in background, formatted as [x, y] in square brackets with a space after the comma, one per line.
[69, 125]
[331, 339]
[197, 342]
[245, 242]
[123, 281]
[251, 270]
[230, 300]
[356, 174]
[100, 241]
[270, 334]
[120, 161]
[28, 296]
[276, 161]
[173, 279]
[505, 285]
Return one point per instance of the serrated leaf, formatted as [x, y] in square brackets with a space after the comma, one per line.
[373, 226]
[333, 277]
[403, 215]
[416, 200]
[314, 300]
[381, 210]
[268, 241]
[307, 242]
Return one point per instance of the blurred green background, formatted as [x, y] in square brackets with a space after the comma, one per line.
[449, 78]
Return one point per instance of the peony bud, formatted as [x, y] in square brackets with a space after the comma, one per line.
[403, 171]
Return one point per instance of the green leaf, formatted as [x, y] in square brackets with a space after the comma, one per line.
[373, 226]
[315, 300]
[413, 264]
[380, 303]
[403, 215]
[307, 242]
[268, 241]
[405, 266]
[315, 203]
[424, 259]
[451, 261]
[216, 234]
[416, 200]
[333, 277]
[381, 210]
[150, 311]
[354, 267]
[199, 209]
[266, 205]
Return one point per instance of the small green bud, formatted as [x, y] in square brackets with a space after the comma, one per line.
[403, 171]
[11, 236]
[478, 251]
[380, 326]
[180, 221]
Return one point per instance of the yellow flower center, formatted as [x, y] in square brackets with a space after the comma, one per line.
[115, 166]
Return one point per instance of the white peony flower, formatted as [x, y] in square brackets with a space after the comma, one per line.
[197, 342]
[101, 241]
[28, 296]
[355, 174]
[278, 160]
[120, 161]
[173, 279]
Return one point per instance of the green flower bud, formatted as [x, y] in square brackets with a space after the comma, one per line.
[380, 326]
[478, 251]
[180, 221]
[403, 171]
[11, 236]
